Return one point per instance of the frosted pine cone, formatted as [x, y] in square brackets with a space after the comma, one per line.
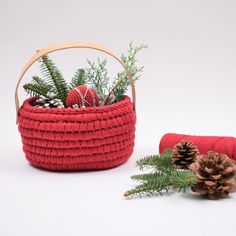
[50, 101]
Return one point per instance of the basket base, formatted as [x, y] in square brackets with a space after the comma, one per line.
[67, 167]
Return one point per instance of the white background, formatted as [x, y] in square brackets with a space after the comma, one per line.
[188, 87]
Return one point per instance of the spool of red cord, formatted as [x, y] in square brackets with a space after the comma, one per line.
[226, 145]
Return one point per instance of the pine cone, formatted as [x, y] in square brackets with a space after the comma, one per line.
[50, 101]
[216, 175]
[184, 154]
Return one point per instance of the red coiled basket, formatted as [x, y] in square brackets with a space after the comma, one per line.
[66, 139]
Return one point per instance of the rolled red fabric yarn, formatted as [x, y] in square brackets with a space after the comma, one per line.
[220, 144]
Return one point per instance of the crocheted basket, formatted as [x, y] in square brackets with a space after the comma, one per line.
[64, 139]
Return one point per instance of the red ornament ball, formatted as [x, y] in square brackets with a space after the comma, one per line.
[82, 96]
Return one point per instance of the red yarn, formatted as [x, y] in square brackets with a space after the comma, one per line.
[226, 145]
[82, 96]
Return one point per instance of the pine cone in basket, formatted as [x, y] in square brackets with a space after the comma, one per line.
[184, 154]
[216, 175]
[50, 101]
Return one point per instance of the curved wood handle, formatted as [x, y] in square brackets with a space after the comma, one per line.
[58, 47]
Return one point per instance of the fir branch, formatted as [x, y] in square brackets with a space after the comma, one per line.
[165, 176]
[161, 162]
[149, 177]
[33, 90]
[45, 87]
[54, 77]
[97, 76]
[37, 87]
[159, 182]
[182, 179]
[78, 79]
[121, 83]
[152, 185]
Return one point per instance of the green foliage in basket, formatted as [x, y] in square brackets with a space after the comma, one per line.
[52, 81]
[78, 79]
[121, 83]
[54, 78]
[95, 75]
[164, 176]
[37, 87]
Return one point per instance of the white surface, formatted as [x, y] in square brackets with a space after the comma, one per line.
[188, 87]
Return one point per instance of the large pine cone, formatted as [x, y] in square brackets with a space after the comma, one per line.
[184, 154]
[216, 175]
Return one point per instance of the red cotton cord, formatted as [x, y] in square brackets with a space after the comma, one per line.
[226, 145]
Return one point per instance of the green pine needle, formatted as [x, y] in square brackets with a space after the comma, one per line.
[121, 83]
[37, 87]
[147, 177]
[161, 162]
[164, 176]
[182, 179]
[54, 78]
[152, 185]
[33, 90]
[97, 76]
[78, 79]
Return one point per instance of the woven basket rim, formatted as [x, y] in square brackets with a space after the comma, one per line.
[26, 104]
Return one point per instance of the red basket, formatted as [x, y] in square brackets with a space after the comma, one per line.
[66, 139]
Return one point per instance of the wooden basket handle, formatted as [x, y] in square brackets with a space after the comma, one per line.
[58, 47]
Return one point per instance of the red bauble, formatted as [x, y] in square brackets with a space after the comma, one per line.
[82, 96]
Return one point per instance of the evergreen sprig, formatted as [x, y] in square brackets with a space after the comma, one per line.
[156, 162]
[182, 179]
[150, 185]
[163, 177]
[97, 76]
[54, 78]
[37, 87]
[78, 79]
[121, 83]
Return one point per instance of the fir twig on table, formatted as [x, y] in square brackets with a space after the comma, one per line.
[164, 176]
[159, 182]
[182, 179]
[157, 162]
[150, 185]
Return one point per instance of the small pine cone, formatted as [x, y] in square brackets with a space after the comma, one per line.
[49, 102]
[184, 154]
[216, 175]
